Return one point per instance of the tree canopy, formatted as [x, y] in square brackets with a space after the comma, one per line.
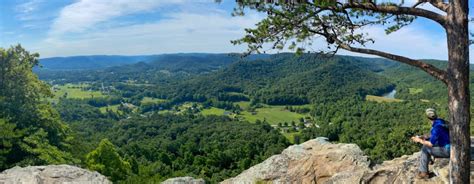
[33, 131]
[297, 24]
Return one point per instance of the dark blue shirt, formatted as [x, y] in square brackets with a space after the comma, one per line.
[439, 133]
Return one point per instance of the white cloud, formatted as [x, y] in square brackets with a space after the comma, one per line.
[411, 41]
[26, 9]
[28, 6]
[207, 31]
[85, 14]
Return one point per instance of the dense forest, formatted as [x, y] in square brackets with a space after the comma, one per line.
[210, 116]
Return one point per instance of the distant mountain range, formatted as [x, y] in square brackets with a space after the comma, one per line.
[95, 62]
[89, 62]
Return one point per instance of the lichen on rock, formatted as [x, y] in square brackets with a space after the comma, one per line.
[319, 161]
[51, 174]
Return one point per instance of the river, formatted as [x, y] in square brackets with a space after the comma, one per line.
[390, 94]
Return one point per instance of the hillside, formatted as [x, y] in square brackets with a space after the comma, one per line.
[288, 80]
[89, 62]
[138, 68]
[149, 110]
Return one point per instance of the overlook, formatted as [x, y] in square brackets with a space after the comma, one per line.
[103, 91]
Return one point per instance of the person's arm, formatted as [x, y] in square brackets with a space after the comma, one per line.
[422, 141]
[425, 136]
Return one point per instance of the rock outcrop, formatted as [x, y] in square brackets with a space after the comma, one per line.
[51, 174]
[184, 180]
[318, 161]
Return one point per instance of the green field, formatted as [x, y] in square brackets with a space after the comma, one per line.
[381, 99]
[149, 100]
[414, 91]
[213, 111]
[113, 108]
[243, 105]
[75, 91]
[272, 114]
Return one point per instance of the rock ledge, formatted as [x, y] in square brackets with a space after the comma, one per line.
[51, 174]
[318, 161]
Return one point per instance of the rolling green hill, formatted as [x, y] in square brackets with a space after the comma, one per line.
[287, 80]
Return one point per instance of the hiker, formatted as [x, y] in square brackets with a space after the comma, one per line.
[436, 144]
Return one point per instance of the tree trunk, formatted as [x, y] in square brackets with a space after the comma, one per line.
[458, 90]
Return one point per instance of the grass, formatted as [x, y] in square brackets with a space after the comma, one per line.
[243, 104]
[414, 91]
[149, 100]
[113, 108]
[291, 136]
[75, 91]
[165, 112]
[381, 99]
[213, 111]
[272, 114]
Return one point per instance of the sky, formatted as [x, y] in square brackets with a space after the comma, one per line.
[141, 27]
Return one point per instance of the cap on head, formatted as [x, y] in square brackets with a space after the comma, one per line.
[431, 113]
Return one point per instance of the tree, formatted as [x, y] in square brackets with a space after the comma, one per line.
[34, 133]
[8, 137]
[300, 22]
[106, 160]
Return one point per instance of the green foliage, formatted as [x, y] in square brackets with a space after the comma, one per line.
[382, 130]
[34, 134]
[8, 138]
[210, 147]
[296, 25]
[41, 151]
[106, 160]
[215, 148]
[284, 80]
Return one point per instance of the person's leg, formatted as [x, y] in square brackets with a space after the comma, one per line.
[427, 152]
[439, 152]
[424, 159]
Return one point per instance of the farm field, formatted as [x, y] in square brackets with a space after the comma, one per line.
[113, 108]
[75, 91]
[149, 100]
[414, 91]
[213, 111]
[272, 114]
[381, 99]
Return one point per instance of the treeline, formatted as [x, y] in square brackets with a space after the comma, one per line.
[163, 146]
[31, 131]
[382, 130]
[283, 80]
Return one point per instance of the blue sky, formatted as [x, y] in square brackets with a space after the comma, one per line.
[137, 27]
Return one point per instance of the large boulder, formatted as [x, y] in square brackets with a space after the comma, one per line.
[318, 161]
[184, 180]
[51, 174]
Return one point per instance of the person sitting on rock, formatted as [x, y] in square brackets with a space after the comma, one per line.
[437, 144]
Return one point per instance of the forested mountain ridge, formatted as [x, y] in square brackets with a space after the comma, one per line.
[150, 68]
[89, 62]
[285, 79]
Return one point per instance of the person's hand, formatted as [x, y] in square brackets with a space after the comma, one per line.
[416, 139]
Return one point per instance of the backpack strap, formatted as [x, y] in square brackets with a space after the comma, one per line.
[445, 124]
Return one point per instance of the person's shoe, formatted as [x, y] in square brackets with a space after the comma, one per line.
[422, 175]
[432, 160]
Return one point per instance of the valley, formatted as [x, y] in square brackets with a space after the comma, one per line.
[189, 114]
[154, 91]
